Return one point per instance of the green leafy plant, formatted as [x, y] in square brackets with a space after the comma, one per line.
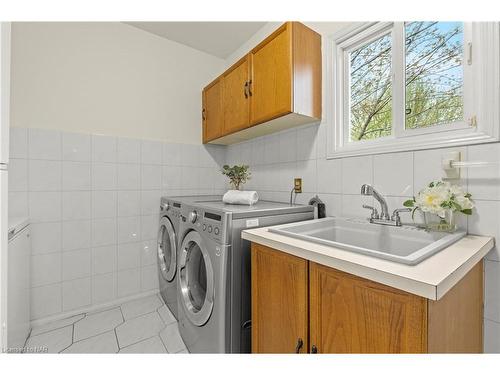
[237, 174]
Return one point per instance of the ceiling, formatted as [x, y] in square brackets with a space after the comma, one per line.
[216, 38]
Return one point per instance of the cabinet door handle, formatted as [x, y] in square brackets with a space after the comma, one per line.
[246, 90]
[203, 116]
[299, 345]
[250, 88]
[314, 349]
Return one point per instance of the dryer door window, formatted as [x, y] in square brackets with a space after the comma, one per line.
[196, 279]
[167, 249]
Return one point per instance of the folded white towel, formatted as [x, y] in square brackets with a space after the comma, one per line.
[241, 197]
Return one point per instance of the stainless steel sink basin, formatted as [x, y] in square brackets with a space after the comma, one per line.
[405, 244]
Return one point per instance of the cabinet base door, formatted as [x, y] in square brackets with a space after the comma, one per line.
[349, 314]
[279, 302]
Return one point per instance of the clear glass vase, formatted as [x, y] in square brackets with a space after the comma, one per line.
[436, 223]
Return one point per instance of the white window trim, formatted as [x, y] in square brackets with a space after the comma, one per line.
[483, 103]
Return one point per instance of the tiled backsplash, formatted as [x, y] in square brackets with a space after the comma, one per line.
[93, 202]
[276, 159]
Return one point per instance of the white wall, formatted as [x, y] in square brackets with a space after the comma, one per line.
[277, 158]
[107, 78]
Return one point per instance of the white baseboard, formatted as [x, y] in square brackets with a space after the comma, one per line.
[90, 309]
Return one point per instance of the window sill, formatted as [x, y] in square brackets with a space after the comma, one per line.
[410, 144]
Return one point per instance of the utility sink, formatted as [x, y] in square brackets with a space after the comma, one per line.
[404, 244]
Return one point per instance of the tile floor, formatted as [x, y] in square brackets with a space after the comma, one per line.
[144, 325]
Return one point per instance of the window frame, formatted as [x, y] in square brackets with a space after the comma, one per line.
[481, 92]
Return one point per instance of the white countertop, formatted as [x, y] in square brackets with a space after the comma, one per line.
[431, 278]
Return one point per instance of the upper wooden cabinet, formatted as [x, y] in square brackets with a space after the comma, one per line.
[236, 109]
[271, 77]
[277, 85]
[213, 112]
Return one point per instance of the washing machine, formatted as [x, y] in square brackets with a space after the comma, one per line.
[214, 292]
[167, 248]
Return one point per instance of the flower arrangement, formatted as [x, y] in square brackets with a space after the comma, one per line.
[237, 174]
[443, 200]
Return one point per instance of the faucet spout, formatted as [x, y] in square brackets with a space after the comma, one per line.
[367, 189]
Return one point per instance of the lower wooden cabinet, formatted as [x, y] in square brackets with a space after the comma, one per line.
[336, 312]
[279, 302]
[353, 315]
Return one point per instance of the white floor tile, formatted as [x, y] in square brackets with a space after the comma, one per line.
[95, 324]
[152, 345]
[56, 324]
[54, 341]
[166, 315]
[140, 306]
[103, 343]
[172, 339]
[138, 329]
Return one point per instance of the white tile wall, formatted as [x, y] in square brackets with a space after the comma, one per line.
[397, 175]
[93, 202]
[76, 147]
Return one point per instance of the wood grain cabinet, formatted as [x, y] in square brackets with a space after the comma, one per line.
[336, 312]
[213, 111]
[277, 85]
[279, 281]
[236, 105]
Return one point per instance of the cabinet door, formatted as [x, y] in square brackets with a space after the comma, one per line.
[213, 112]
[271, 78]
[349, 314]
[236, 97]
[279, 301]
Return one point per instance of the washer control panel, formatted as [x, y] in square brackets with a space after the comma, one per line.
[173, 209]
[211, 224]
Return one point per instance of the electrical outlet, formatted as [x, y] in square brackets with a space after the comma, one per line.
[297, 185]
[451, 172]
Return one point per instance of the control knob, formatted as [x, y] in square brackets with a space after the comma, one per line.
[193, 215]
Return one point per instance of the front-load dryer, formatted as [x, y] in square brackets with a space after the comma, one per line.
[167, 251]
[214, 272]
[203, 273]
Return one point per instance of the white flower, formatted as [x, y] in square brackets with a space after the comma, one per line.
[457, 191]
[431, 198]
[464, 202]
[441, 196]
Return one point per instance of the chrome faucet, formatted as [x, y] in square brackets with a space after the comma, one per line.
[395, 215]
[369, 190]
[384, 217]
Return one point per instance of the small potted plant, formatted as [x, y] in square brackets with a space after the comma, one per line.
[237, 174]
[439, 202]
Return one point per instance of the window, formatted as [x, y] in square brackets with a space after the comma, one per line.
[433, 73]
[371, 90]
[412, 85]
